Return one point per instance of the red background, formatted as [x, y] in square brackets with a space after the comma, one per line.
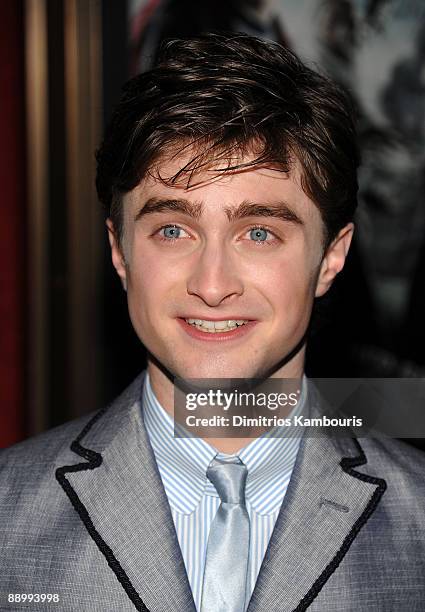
[12, 222]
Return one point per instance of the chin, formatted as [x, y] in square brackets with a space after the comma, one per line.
[215, 370]
[207, 372]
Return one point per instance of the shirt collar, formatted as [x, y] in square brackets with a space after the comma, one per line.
[183, 462]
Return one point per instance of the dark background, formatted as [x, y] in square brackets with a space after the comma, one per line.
[66, 344]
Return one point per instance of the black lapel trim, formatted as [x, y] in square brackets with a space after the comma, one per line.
[347, 464]
[94, 460]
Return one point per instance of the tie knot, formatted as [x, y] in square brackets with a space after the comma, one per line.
[229, 479]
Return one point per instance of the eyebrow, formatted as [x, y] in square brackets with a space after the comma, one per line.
[158, 205]
[279, 210]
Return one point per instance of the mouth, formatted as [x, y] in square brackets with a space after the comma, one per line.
[214, 327]
[209, 329]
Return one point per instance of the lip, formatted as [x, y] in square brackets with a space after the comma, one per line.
[238, 332]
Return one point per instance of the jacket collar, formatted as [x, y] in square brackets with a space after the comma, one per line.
[118, 495]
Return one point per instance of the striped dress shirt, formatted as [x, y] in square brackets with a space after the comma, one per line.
[183, 462]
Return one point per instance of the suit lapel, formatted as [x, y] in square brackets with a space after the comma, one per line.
[120, 498]
[118, 494]
[327, 503]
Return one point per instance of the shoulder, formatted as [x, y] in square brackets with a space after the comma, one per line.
[43, 449]
[395, 459]
[37, 521]
[31, 500]
[28, 462]
[402, 467]
[28, 485]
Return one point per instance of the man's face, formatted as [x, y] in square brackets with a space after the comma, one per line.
[244, 246]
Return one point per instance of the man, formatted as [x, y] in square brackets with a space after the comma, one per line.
[229, 175]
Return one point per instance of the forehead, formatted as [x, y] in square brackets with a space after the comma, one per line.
[219, 184]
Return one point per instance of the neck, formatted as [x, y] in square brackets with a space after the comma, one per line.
[163, 389]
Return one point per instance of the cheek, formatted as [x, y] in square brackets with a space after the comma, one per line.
[289, 286]
[150, 286]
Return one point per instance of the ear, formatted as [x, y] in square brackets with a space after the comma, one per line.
[117, 256]
[334, 259]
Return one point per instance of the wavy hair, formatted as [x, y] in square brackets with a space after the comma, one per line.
[221, 96]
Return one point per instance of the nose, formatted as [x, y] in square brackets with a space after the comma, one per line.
[215, 277]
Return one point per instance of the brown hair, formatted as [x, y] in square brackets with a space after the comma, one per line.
[224, 95]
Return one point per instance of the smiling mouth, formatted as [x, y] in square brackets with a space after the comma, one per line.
[215, 327]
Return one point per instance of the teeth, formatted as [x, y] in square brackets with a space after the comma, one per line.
[216, 326]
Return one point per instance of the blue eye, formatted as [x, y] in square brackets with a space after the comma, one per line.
[258, 234]
[171, 231]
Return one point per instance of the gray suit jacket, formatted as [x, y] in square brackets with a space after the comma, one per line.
[83, 514]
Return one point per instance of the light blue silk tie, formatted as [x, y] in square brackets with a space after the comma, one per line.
[226, 563]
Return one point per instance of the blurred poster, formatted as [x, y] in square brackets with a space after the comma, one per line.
[376, 48]
[152, 21]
